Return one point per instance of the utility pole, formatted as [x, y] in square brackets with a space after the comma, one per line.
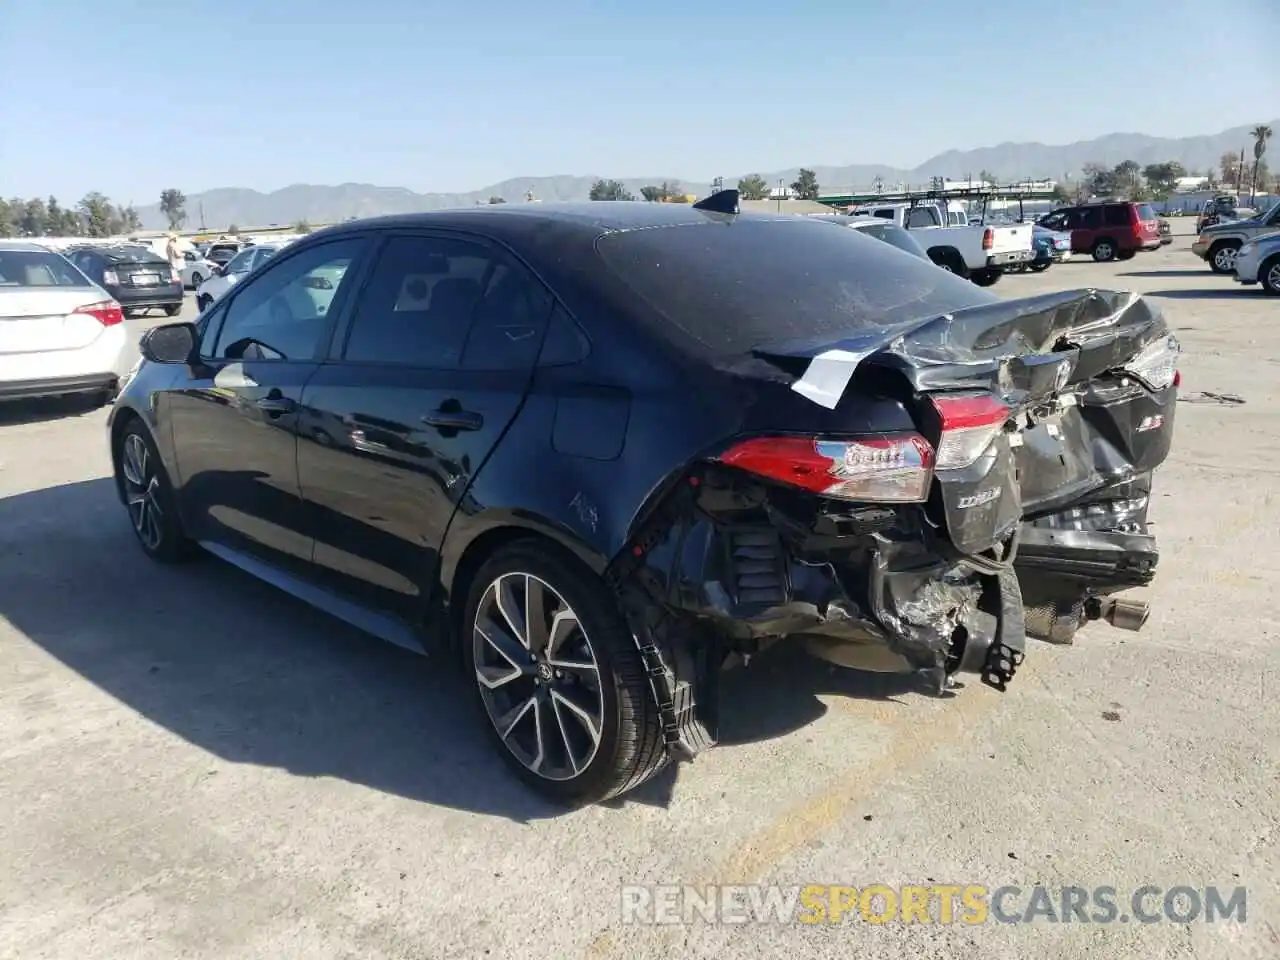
[717, 185]
[202, 226]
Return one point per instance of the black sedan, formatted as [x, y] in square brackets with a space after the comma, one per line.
[135, 276]
[592, 451]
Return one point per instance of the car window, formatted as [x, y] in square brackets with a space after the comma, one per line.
[242, 262]
[1116, 214]
[892, 234]
[565, 343]
[282, 313]
[1088, 218]
[207, 328]
[444, 303]
[38, 268]
[921, 217]
[729, 287]
[1146, 211]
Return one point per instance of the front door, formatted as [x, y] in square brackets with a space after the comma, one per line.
[428, 371]
[235, 417]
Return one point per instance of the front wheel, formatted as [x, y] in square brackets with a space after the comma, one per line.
[1269, 276]
[985, 278]
[148, 496]
[558, 676]
[1041, 266]
[1222, 256]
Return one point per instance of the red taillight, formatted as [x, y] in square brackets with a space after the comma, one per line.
[988, 238]
[1177, 378]
[106, 312]
[969, 423]
[887, 469]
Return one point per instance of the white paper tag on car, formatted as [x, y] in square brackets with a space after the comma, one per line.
[827, 376]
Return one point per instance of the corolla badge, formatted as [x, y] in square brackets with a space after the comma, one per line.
[980, 498]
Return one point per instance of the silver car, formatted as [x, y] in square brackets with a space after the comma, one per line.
[59, 332]
[1258, 261]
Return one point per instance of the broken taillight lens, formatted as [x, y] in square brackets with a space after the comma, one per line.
[887, 469]
[969, 423]
[1156, 364]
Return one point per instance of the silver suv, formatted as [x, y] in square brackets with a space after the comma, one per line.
[1219, 244]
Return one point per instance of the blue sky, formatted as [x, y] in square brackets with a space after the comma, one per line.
[131, 96]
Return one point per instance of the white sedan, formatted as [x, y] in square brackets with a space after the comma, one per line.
[237, 268]
[59, 332]
[195, 269]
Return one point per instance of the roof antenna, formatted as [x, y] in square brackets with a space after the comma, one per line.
[722, 201]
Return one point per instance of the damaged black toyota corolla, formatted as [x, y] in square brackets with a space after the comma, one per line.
[593, 451]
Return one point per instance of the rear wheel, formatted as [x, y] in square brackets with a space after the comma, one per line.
[1126, 254]
[559, 679]
[172, 309]
[948, 261]
[1104, 250]
[196, 280]
[204, 303]
[985, 278]
[1222, 256]
[148, 496]
[1269, 276]
[1040, 267]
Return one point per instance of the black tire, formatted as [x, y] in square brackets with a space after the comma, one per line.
[171, 543]
[1126, 254]
[1104, 250]
[1269, 276]
[630, 748]
[196, 280]
[985, 278]
[1222, 256]
[950, 262]
[204, 303]
[172, 310]
[1040, 267]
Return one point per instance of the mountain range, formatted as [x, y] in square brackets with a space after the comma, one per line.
[226, 206]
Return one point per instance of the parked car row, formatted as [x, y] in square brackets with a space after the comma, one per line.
[594, 454]
[1244, 248]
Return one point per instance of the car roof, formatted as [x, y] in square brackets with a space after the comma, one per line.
[594, 217]
[19, 246]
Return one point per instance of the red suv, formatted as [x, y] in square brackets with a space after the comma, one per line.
[1108, 231]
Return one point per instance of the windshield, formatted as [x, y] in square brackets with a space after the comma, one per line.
[38, 268]
[730, 287]
[890, 233]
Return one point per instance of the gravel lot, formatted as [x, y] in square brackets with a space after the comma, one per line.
[193, 765]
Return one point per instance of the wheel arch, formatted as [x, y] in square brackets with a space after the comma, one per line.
[462, 558]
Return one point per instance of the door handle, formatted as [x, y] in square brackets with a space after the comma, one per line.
[446, 419]
[277, 405]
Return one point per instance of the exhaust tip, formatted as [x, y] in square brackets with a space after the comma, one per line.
[1128, 614]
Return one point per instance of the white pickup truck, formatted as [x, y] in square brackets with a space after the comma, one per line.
[979, 252]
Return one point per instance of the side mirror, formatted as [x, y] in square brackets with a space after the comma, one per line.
[170, 343]
[217, 270]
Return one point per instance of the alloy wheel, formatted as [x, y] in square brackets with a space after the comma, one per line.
[1272, 279]
[142, 490]
[538, 676]
[1104, 251]
[1225, 259]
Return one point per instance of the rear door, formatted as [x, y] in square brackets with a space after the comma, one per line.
[235, 414]
[425, 377]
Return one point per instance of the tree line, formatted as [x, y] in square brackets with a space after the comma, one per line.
[750, 187]
[93, 216]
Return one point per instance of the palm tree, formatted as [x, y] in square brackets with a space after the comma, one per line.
[1261, 134]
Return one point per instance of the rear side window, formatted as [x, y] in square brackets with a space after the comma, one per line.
[922, 217]
[38, 268]
[446, 303]
[729, 287]
[1146, 211]
[1116, 215]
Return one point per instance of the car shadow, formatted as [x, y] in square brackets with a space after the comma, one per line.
[17, 412]
[250, 675]
[1228, 293]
